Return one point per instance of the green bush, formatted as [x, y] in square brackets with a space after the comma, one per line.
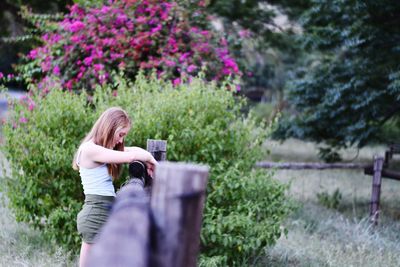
[202, 123]
[42, 188]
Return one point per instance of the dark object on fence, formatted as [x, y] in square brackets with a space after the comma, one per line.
[158, 148]
[124, 239]
[376, 189]
[138, 170]
[310, 165]
[177, 201]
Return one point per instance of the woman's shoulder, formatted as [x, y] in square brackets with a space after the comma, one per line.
[87, 145]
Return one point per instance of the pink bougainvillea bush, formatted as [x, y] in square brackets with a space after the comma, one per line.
[89, 44]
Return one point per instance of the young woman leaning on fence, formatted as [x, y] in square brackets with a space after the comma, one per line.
[98, 159]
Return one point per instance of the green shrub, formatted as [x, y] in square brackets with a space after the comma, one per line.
[202, 123]
[42, 188]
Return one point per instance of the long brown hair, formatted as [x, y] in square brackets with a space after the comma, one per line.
[102, 134]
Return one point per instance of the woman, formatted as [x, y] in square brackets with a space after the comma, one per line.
[98, 160]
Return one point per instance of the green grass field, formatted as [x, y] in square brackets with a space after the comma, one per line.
[318, 236]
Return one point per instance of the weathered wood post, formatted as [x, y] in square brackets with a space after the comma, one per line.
[177, 201]
[376, 189]
[158, 148]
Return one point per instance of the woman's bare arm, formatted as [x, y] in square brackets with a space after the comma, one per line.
[101, 154]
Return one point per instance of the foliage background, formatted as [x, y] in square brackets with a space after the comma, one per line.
[201, 123]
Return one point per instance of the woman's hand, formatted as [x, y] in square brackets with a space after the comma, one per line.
[145, 156]
[151, 165]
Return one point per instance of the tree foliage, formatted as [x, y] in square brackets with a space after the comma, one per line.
[350, 87]
[13, 35]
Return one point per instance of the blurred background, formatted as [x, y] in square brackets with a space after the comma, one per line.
[325, 74]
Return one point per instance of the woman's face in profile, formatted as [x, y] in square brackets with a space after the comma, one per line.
[119, 135]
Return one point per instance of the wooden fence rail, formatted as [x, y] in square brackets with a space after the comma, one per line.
[378, 169]
[310, 165]
[157, 230]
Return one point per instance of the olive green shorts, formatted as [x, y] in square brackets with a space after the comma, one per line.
[93, 216]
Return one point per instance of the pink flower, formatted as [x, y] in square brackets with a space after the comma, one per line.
[122, 65]
[103, 78]
[205, 33]
[116, 55]
[115, 93]
[31, 105]
[68, 85]
[109, 41]
[105, 9]
[170, 63]
[223, 42]
[141, 20]
[194, 29]
[76, 26]
[230, 63]
[75, 39]
[238, 87]
[244, 33]
[98, 67]
[56, 71]
[88, 61]
[75, 9]
[121, 18]
[23, 120]
[45, 65]
[156, 29]
[191, 68]
[1, 75]
[33, 54]
[183, 57]
[176, 82]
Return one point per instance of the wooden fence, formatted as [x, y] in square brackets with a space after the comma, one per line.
[378, 169]
[158, 230]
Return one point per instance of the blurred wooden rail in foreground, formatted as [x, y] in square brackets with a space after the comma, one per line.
[160, 229]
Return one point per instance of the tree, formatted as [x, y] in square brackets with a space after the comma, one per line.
[350, 87]
[13, 25]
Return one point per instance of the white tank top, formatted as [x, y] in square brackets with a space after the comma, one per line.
[96, 181]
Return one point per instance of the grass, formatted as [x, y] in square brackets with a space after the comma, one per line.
[319, 236]
[20, 245]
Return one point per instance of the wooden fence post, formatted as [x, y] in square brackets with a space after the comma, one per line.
[376, 189]
[158, 148]
[177, 200]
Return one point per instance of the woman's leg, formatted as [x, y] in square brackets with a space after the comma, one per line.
[84, 252]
